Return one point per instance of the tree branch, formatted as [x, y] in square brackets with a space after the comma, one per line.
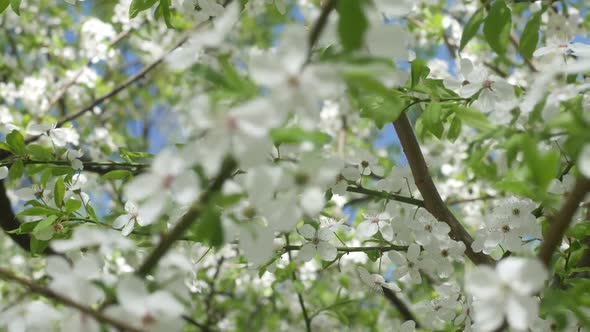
[50, 294]
[432, 200]
[561, 221]
[400, 305]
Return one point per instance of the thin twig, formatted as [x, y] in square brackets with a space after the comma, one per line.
[386, 195]
[62, 91]
[306, 317]
[355, 249]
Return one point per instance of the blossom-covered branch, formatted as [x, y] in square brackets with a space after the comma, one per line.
[562, 219]
[50, 294]
[432, 200]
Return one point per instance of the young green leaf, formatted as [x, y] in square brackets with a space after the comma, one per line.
[137, 6]
[498, 26]
[3, 5]
[16, 170]
[59, 192]
[16, 142]
[116, 174]
[530, 36]
[15, 5]
[352, 24]
[419, 71]
[471, 27]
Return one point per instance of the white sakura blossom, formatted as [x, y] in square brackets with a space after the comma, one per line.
[407, 326]
[59, 136]
[158, 311]
[87, 236]
[366, 162]
[374, 281]
[388, 41]
[442, 309]
[3, 172]
[563, 48]
[74, 157]
[319, 244]
[202, 10]
[95, 39]
[426, 228]
[395, 8]
[438, 256]
[241, 131]
[373, 223]
[170, 177]
[190, 52]
[295, 85]
[506, 292]
[399, 181]
[407, 266]
[28, 316]
[76, 281]
[494, 92]
[127, 221]
[510, 224]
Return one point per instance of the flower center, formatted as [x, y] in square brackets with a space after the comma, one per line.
[148, 319]
[168, 181]
[487, 84]
[506, 228]
[428, 228]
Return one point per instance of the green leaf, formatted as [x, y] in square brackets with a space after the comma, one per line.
[38, 211]
[543, 168]
[352, 24]
[419, 71]
[16, 142]
[375, 101]
[530, 36]
[116, 174]
[471, 27]
[208, 229]
[3, 5]
[15, 4]
[72, 205]
[44, 229]
[298, 135]
[16, 170]
[165, 8]
[137, 6]
[24, 228]
[473, 118]
[59, 192]
[61, 170]
[38, 246]
[39, 152]
[91, 213]
[4, 146]
[432, 119]
[454, 129]
[498, 26]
